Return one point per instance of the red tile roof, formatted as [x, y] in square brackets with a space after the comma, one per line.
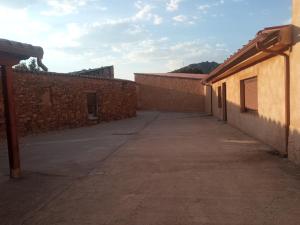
[177, 75]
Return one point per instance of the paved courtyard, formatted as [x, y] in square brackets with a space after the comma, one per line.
[158, 168]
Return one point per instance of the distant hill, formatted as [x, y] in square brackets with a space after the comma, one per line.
[203, 67]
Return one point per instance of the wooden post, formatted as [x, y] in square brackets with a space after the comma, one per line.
[224, 101]
[11, 121]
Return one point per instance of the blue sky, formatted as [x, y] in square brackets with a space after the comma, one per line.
[137, 35]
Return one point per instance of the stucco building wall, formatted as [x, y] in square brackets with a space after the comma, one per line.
[46, 101]
[208, 100]
[170, 94]
[294, 141]
[269, 124]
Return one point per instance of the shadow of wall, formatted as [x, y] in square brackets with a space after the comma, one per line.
[170, 94]
[163, 99]
[264, 129]
[268, 124]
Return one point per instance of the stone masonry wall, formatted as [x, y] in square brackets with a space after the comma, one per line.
[49, 101]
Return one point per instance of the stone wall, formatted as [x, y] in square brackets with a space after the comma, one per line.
[170, 94]
[51, 101]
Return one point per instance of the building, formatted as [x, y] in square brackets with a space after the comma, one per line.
[179, 92]
[257, 88]
[102, 72]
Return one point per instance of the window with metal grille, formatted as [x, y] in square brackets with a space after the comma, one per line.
[249, 96]
[92, 105]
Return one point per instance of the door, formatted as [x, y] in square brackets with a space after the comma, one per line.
[224, 101]
[92, 105]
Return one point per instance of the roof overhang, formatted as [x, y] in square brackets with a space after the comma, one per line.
[272, 39]
[11, 52]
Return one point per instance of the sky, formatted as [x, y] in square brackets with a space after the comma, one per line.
[137, 35]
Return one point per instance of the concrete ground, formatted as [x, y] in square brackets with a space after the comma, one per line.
[158, 168]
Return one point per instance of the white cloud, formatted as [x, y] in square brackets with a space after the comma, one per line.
[144, 13]
[127, 42]
[68, 38]
[169, 55]
[180, 18]
[63, 7]
[157, 20]
[205, 7]
[185, 19]
[21, 26]
[173, 5]
[135, 29]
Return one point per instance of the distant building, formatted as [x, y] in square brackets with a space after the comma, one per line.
[102, 72]
[180, 92]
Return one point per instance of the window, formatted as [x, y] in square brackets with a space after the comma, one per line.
[219, 97]
[249, 96]
[92, 105]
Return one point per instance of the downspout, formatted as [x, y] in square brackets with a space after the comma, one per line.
[287, 91]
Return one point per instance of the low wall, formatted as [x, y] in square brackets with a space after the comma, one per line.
[51, 101]
[170, 94]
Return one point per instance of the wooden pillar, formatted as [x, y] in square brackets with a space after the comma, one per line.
[11, 121]
[224, 103]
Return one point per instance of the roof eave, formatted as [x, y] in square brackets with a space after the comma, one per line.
[278, 36]
[19, 50]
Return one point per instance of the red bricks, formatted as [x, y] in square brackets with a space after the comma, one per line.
[48, 101]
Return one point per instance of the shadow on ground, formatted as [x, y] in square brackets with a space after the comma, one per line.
[159, 168]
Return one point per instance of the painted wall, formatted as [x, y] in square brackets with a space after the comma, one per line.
[207, 93]
[269, 124]
[294, 141]
[49, 101]
[170, 94]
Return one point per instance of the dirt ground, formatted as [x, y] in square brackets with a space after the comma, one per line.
[156, 169]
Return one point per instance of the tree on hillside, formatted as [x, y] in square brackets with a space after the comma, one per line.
[32, 66]
[203, 67]
[189, 70]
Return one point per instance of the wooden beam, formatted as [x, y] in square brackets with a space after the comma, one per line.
[224, 101]
[242, 96]
[11, 121]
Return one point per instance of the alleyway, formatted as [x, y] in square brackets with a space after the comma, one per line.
[158, 168]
